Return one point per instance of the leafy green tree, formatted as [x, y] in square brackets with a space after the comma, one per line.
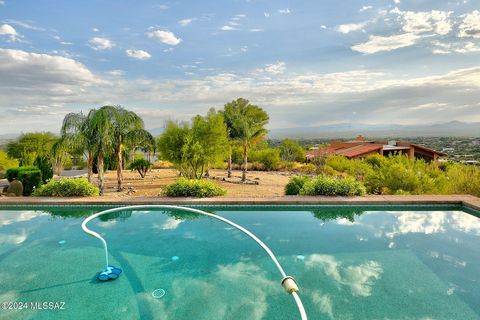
[247, 126]
[211, 133]
[31, 145]
[291, 151]
[170, 144]
[192, 149]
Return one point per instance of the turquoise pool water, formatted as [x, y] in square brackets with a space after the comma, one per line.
[350, 263]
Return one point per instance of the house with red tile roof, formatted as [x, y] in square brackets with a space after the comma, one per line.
[361, 148]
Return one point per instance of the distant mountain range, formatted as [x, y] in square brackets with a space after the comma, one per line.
[347, 130]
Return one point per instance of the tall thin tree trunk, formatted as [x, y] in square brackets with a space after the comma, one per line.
[229, 172]
[90, 167]
[245, 163]
[119, 168]
[101, 181]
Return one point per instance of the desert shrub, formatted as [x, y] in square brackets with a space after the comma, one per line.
[308, 168]
[162, 164]
[399, 174]
[256, 166]
[331, 186]
[463, 179]
[358, 169]
[375, 161]
[269, 158]
[45, 166]
[6, 162]
[78, 187]
[294, 186]
[193, 188]
[141, 165]
[16, 188]
[30, 179]
[289, 166]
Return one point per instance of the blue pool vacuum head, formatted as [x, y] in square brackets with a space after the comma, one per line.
[110, 273]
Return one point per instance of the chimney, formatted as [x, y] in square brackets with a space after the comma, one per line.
[359, 138]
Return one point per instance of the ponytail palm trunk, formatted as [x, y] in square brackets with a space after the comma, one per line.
[119, 168]
[101, 176]
[245, 163]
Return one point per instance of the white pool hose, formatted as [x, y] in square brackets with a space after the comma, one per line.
[288, 282]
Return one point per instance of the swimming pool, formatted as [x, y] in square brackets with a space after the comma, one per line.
[350, 263]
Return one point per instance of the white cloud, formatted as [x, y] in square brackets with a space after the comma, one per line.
[138, 54]
[25, 68]
[365, 8]
[284, 11]
[470, 26]
[359, 278]
[347, 28]
[8, 30]
[274, 68]
[266, 14]
[432, 105]
[95, 29]
[161, 6]
[227, 28]
[420, 22]
[256, 30]
[233, 23]
[24, 25]
[379, 43]
[454, 47]
[396, 1]
[185, 22]
[99, 43]
[116, 72]
[164, 36]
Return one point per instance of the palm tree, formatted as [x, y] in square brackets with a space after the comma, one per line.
[127, 129]
[78, 133]
[102, 139]
[247, 126]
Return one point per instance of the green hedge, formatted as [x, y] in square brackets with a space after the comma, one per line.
[294, 186]
[193, 188]
[78, 187]
[325, 186]
[12, 173]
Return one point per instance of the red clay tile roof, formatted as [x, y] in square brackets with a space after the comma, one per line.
[349, 152]
[359, 150]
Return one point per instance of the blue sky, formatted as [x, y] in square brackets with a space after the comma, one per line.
[307, 63]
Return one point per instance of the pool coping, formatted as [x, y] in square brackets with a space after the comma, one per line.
[467, 201]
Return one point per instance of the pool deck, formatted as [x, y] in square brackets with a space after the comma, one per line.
[464, 200]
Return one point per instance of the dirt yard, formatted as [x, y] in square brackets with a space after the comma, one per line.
[269, 183]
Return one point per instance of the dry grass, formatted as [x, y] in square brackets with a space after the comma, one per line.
[269, 183]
